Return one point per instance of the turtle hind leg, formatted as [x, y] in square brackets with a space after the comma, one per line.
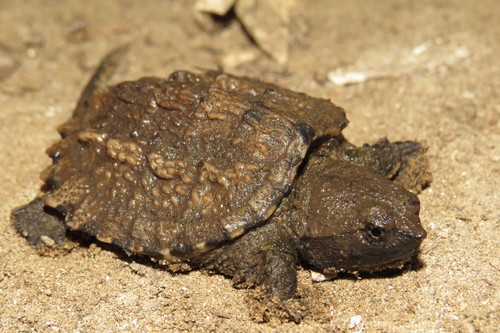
[39, 224]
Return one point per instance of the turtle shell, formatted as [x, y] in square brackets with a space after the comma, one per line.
[172, 168]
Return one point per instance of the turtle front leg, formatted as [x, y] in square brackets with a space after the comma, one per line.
[264, 256]
[280, 269]
[37, 224]
[403, 162]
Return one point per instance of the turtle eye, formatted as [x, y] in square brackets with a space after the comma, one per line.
[376, 232]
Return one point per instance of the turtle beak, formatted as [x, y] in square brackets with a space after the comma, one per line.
[416, 231]
[419, 233]
[413, 240]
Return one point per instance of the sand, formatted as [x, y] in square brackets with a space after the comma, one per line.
[433, 75]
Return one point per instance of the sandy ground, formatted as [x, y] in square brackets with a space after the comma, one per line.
[434, 76]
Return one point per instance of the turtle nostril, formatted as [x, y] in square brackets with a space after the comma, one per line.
[419, 234]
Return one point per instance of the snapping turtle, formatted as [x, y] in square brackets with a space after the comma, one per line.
[229, 174]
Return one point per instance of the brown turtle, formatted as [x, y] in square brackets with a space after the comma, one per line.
[228, 174]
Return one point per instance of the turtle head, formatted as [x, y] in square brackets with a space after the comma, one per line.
[351, 219]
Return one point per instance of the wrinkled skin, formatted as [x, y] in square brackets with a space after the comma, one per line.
[339, 217]
[262, 178]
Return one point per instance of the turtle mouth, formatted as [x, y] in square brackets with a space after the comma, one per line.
[361, 254]
[390, 258]
[331, 272]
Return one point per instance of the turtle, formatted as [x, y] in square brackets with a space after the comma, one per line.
[228, 174]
